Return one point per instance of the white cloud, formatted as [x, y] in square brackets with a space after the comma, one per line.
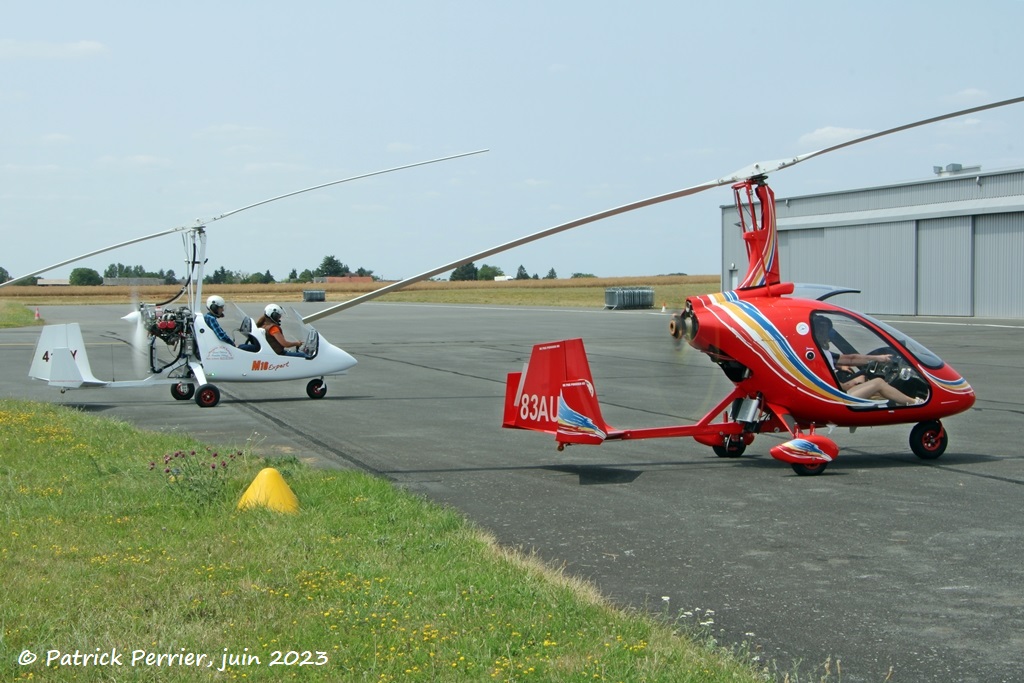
[13, 96]
[55, 139]
[961, 124]
[830, 135]
[37, 168]
[232, 130]
[134, 161]
[400, 147]
[970, 96]
[272, 167]
[22, 49]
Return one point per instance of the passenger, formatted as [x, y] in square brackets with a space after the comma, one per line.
[271, 322]
[859, 385]
[215, 310]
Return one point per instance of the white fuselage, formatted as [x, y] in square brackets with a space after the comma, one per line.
[222, 362]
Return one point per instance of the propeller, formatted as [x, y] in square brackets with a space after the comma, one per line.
[200, 223]
[140, 339]
[757, 169]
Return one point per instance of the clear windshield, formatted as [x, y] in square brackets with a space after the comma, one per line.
[867, 365]
[915, 348]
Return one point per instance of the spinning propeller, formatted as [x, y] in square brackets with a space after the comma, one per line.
[140, 341]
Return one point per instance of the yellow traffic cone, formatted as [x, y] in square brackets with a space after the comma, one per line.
[269, 490]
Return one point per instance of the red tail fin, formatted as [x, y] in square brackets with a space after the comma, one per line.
[555, 394]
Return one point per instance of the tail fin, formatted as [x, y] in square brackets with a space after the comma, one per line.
[555, 394]
[60, 358]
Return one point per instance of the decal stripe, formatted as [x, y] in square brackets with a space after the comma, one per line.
[759, 334]
[572, 422]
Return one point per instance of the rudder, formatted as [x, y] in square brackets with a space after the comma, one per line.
[60, 358]
[555, 393]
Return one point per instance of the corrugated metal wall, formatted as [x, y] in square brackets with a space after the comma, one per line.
[998, 255]
[944, 266]
[879, 260]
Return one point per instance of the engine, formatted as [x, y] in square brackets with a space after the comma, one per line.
[169, 325]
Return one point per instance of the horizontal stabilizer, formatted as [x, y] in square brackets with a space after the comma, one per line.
[63, 371]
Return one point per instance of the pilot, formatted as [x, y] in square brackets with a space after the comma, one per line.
[215, 310]
[858, 386]
[271, 322]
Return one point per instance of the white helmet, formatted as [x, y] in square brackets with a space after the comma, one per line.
[274, 312]
[216, 305]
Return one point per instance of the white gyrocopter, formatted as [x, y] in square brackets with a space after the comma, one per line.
[198, 359]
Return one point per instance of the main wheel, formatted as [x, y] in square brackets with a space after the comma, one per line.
[316, 388]
[733, 448]
[928, 439]
[207, 396]
[183, 392]
[808, 470]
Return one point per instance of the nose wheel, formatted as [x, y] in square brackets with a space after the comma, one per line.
[928, 439]
[316, 388]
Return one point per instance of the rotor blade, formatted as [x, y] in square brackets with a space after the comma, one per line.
[514, 243]
[767, 167]
[94, 253]
[760, 168]
[200, 224]
[344, 180]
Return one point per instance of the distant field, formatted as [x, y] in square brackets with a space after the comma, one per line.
[669, 290]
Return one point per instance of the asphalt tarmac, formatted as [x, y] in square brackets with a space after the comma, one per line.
[901, 569]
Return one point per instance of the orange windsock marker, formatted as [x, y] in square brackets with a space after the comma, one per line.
[269, 490]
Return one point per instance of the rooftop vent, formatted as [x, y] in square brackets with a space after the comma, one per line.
[954, 169]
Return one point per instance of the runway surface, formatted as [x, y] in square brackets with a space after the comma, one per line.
[896, 566]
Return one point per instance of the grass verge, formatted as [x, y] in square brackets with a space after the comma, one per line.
[13, 314]
[113, 545]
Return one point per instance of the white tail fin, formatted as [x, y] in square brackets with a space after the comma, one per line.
[60, 358]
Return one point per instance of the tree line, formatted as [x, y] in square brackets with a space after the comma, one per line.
[469, 271]
[330, 266]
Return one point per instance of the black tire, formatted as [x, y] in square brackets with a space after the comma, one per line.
[808, 470]
[207, 396]
[733, 448]
[928, 440]
[316, 388]
[183, 392]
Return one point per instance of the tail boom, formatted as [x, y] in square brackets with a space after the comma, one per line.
[555, 394]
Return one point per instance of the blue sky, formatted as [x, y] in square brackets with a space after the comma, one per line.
[121, 119]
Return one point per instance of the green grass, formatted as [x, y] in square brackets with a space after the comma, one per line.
[101, 548]
[13, 314]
